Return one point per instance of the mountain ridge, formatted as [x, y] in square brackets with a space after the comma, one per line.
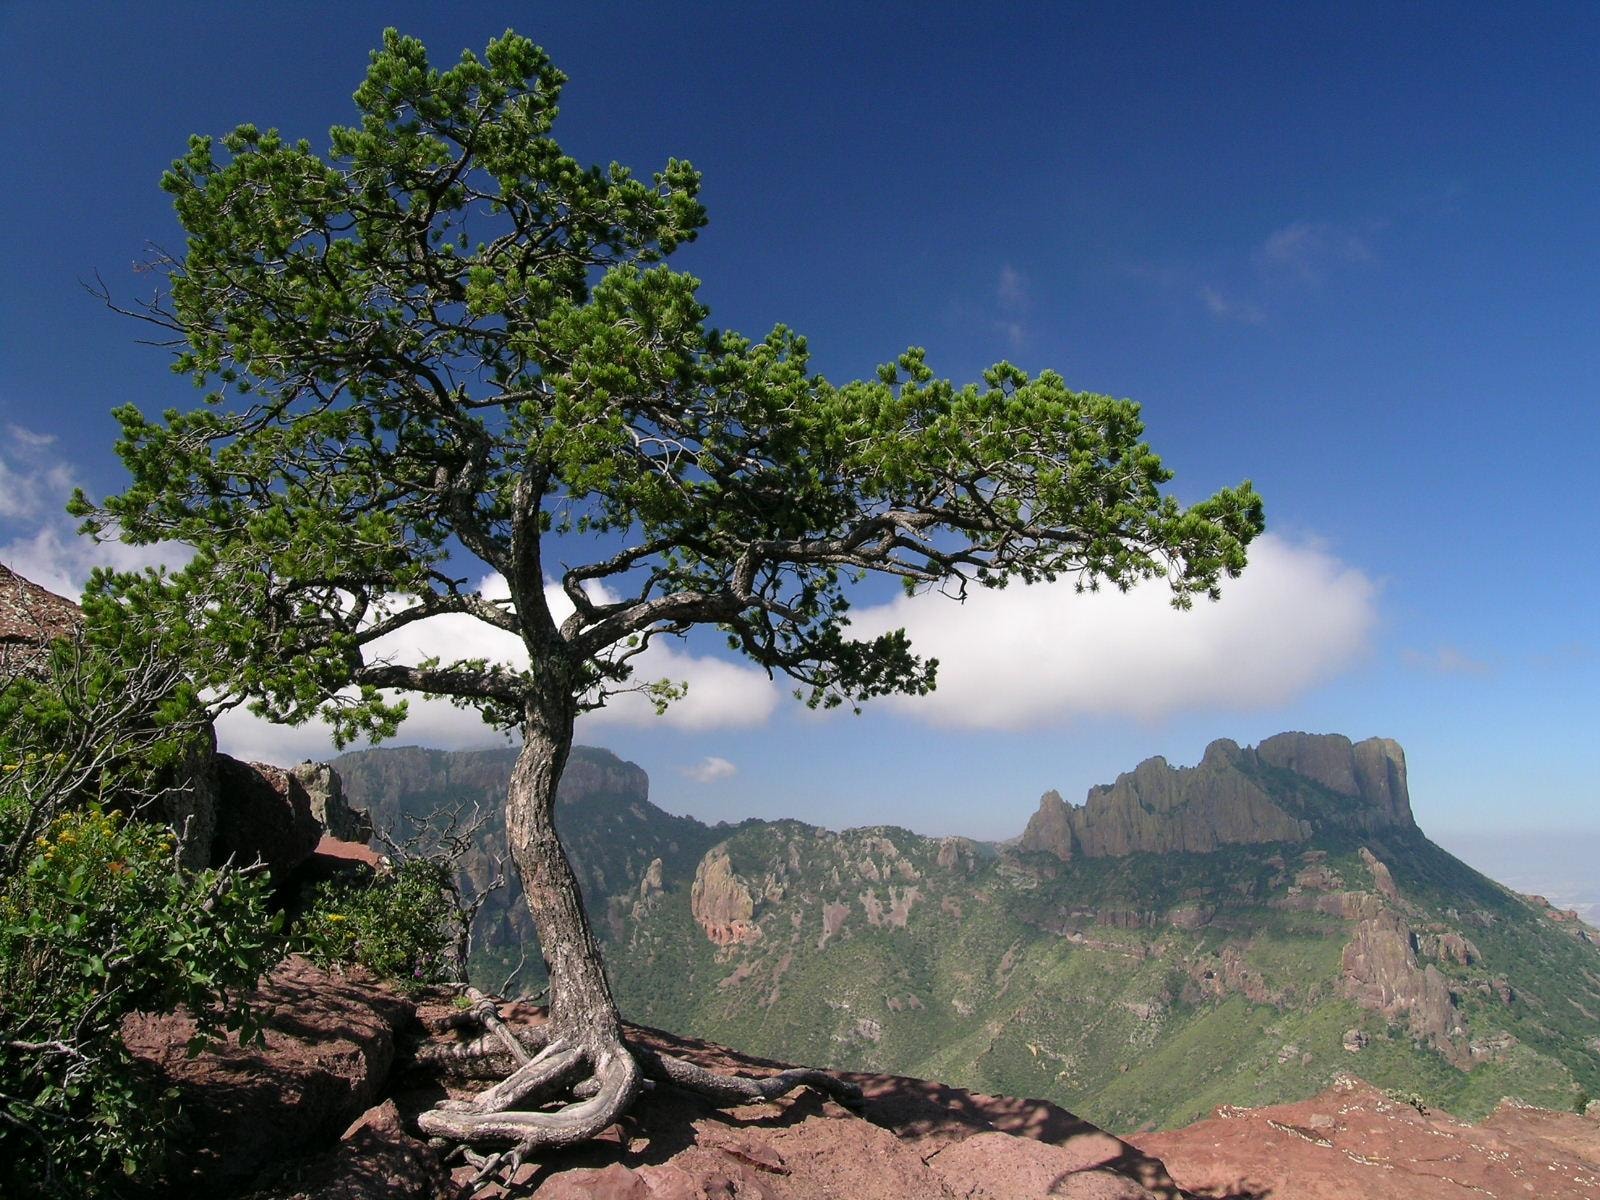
[1224, 799]
[1143, 988]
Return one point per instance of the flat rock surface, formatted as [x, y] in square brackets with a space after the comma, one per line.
[329, 1046]
[1352, 1140]
[914, 1140]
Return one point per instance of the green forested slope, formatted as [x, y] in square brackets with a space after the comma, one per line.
[1140, 989]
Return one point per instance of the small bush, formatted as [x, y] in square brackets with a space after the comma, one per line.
[99, 922]
[400, 925]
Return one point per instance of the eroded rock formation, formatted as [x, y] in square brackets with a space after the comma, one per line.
[31, 617]
[265, 817]
[1380, 972]
[721, 902]
[1283, 790]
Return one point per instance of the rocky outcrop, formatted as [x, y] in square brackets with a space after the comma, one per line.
[1379, 971]
[328, 1046]
[1228, 972]
[263, 815]
[1354, 1140]
[1050, 828]
[1381, 878]
[1450, 947]
[1284, 790]
[31, 617]
[957, 854]
[1373, 771]
[722, 902]
[325, 793]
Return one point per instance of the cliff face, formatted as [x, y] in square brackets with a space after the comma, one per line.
[612, 833]
[1287, 789]
[1144, 989]
[30, 619]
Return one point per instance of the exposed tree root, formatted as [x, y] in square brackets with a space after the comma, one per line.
[489, 1120]
[556, 1091]
[727, 1090]
[482, 1057]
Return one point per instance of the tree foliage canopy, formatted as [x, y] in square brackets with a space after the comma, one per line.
[446, 335]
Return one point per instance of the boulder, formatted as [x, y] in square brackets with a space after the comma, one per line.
[1003, 1166]
[375, 1159]
[263, 815]
[329, 1043]
[325, 793]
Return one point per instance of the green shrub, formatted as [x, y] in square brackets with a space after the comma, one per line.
[98, 923]
[400, 925]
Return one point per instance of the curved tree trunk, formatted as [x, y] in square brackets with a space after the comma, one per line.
[584, 1053]
[582, 1008]
[580, 1052]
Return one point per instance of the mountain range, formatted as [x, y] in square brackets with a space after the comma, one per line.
[1243, 931]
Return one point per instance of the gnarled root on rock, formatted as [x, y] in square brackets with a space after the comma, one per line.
[561, 1091]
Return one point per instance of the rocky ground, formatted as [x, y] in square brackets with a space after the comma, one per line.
[1354, 1140]
[324, 1108]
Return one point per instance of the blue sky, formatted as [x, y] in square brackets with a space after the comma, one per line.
[1347, 251]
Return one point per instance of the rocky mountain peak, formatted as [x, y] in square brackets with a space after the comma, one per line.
[1285, 790]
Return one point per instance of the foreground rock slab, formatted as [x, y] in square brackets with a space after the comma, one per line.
[330, 1044]
[913, 1139]
[1352, 1140]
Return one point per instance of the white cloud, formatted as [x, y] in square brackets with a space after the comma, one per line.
[710, 769]
[33, 480]
[1253, 284]
[28, 438]
[720, 695]
[58, 558]
[38, 540]
[1014, 299]
[1030, 657]
[1012, 289]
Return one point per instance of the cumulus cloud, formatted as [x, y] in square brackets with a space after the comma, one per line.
[720, 694]
[1031, 657]
[710, 769]
[32, 478]
[38, 539]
